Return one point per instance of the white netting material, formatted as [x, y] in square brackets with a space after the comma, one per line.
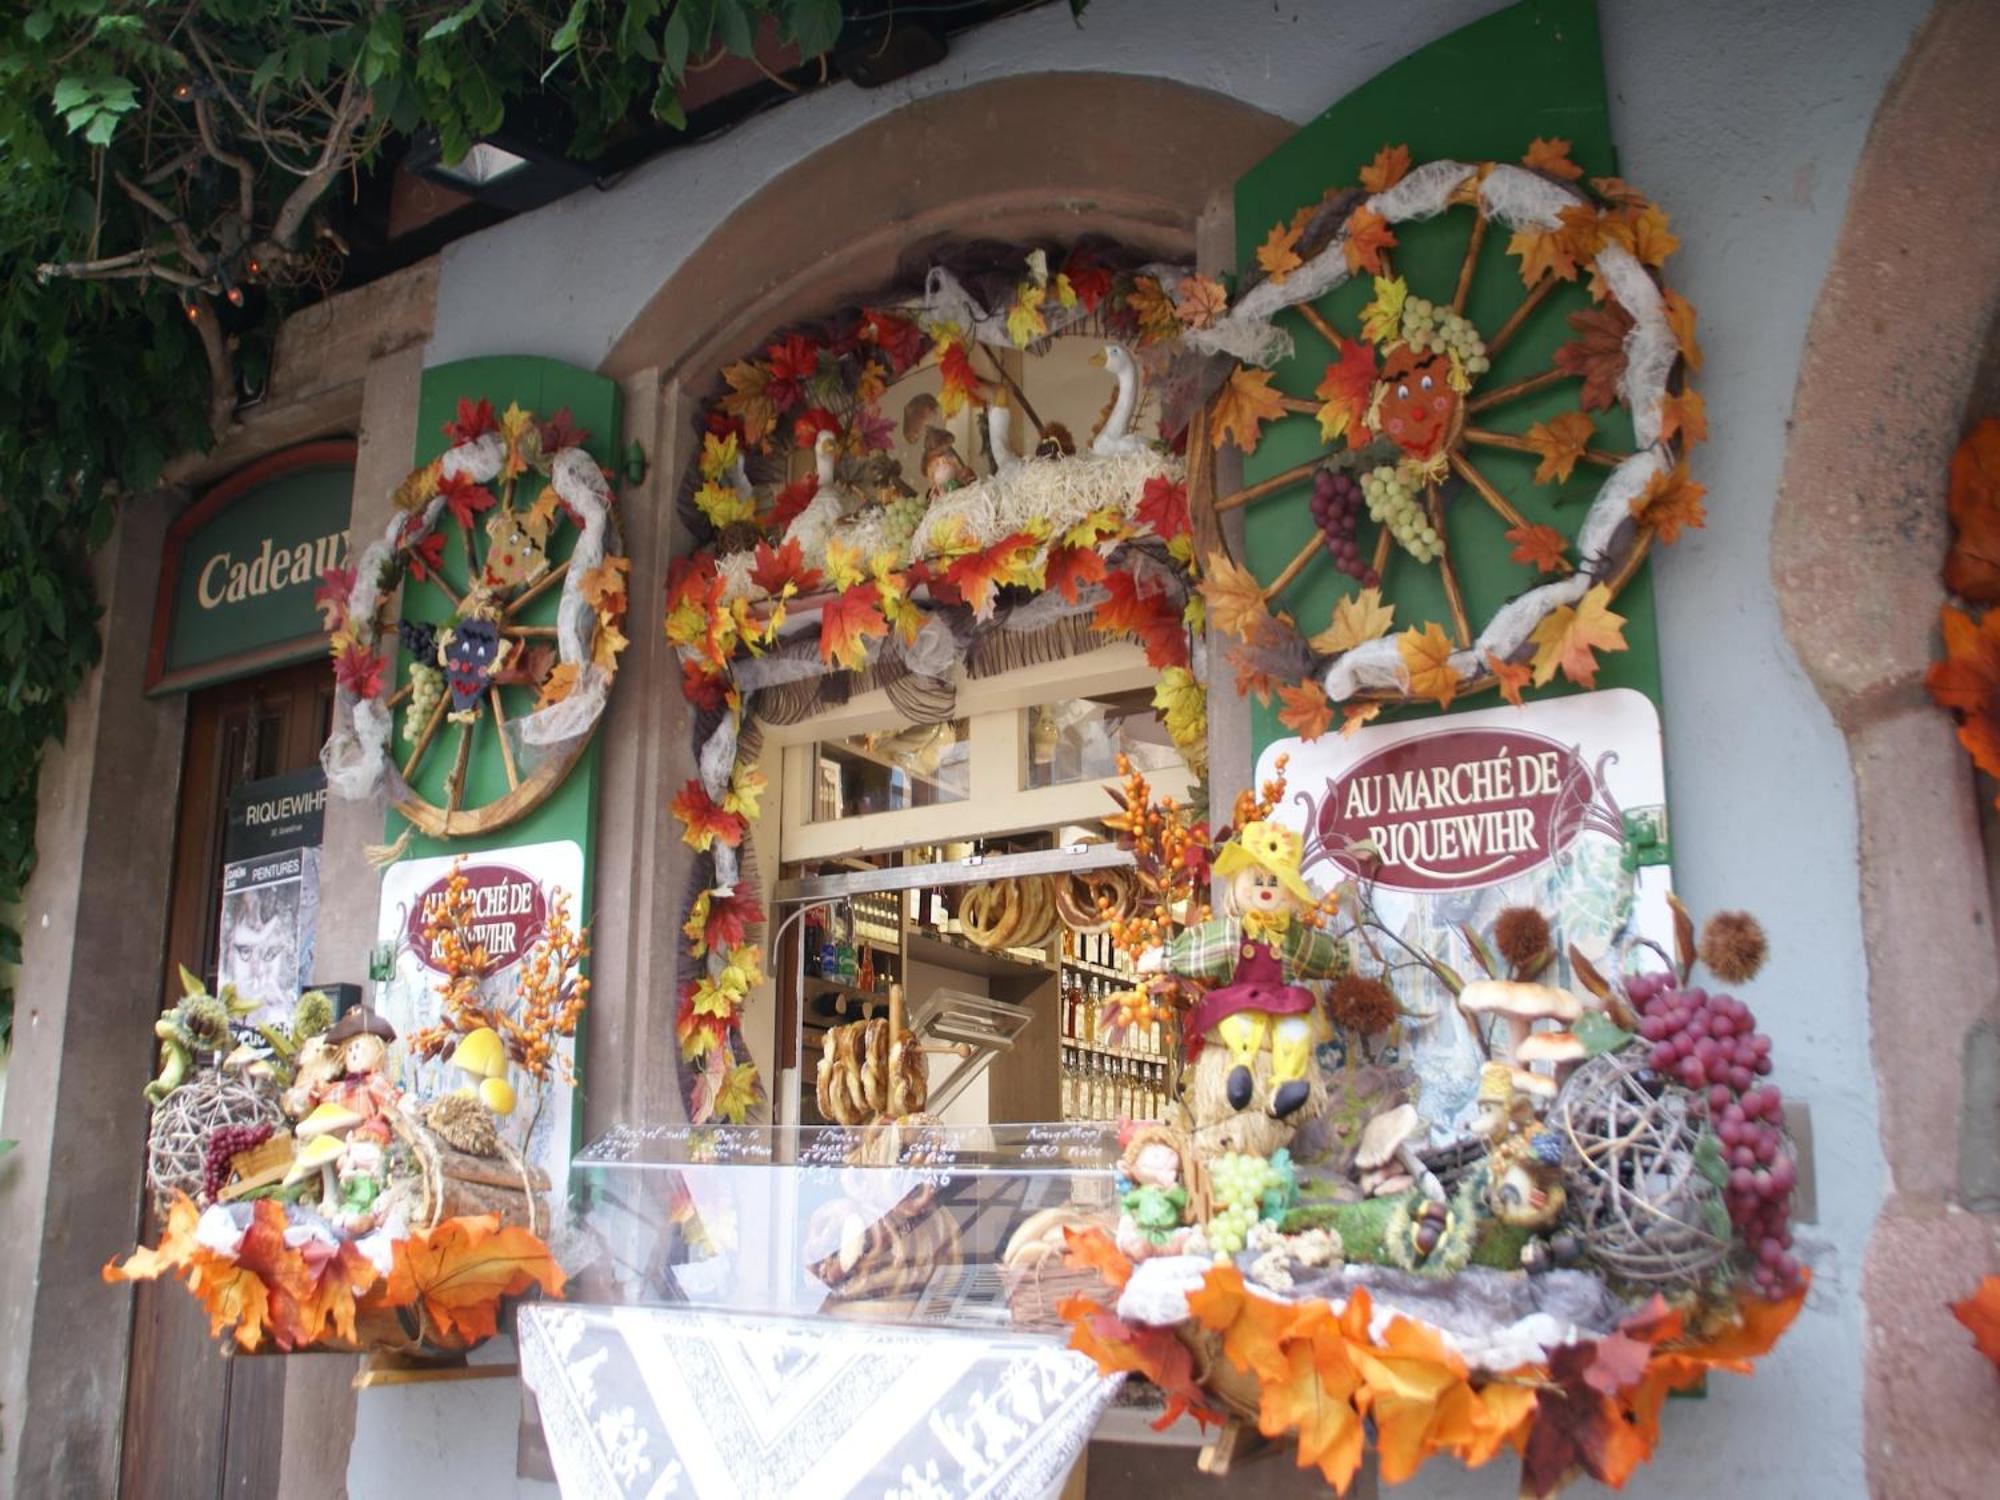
[356, 754]
[947, 299]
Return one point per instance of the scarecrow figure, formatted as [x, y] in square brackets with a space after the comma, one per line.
[1256, 953]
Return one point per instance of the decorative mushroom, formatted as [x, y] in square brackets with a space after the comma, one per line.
[1388, 1153]
[330, 1119]
[1519, 1005]
[1539, 1088]
[319, 1155]
[1561, 1049]
[483, 1059]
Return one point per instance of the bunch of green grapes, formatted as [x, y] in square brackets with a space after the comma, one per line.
[1392, 501]
[426, 688]
[1237, 1184]
[900, 518]
[1430, 329]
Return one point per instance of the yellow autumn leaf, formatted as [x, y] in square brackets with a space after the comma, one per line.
[718, 455]
[1242, 408]
[1025, 322]
[843, 564]
[1382, 319]
[722, 505]
[1183, 705]
[1426, 657]
[1569, 638]
[1107, 522]
[746, 786]
[1235, 598]
[609, 642]
[1356, 618]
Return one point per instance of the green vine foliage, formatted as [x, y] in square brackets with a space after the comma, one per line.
[157, 157]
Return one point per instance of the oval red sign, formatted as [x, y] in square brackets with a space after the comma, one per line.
[1458, 808]
[509, 912]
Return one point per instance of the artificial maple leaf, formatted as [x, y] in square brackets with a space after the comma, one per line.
[1306, 711]
[1597, 354]
[788, 502]
[1182, 704]
[1235, 599]
[1684, 413]
[1966, 682]
[1510, 677]
[1652, 241]
[330, 596]
[474, 420]
[1252, 1327]
[1542, 254]
[1151, 617]
[1152, 310]
[1669, 502]
[607, 643]
[702, 822]
[560, 432]
[1090, 281]
[603, 587]
[1107, 522]
[977, 577]
[1617, 1361]
[425, 556]
[1163, 506]
[1346, 391]
[1354, 716]
[1242, 407]
[749, 400]
[465, 498]
[1368, 235]
[1119, 1347]
[1357, 617]
[959, 382]
[1576, 1428]
[847, 623]
[1408, 1376]
[557, 686]
[1972, 498]
[1025, 320]
[1680, 318]
[783, 571]
[1543, 546]
[1094, 1250]
[177, 1242]
[747, 785]
[359, 671]
[418, 487]
[1382, 319]
[1278, 255]
[458, 1272]
[1980, 1313]
[810, 423]
[707, 688]
[872, 384]
[1560, 442]
[524, 441]
[1570, 636]
[1390, 166]
[843, 564]
[1313, 1397]
[1199, 301]
[898, 337]
[738, 1094]
[793, 362]
[1426, 658]
[1071, 570]
[1551, 157]
[528, 666]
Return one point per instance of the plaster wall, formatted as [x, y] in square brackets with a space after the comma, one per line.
[1745, 120]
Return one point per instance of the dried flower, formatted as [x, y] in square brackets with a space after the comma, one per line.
[1522, 935]
[1362, 1004]
[1733, 946]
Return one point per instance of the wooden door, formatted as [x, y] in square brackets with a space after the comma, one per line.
[198, 1423]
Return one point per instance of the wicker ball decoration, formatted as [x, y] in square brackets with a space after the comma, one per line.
[177, 1148]
[1645, 1213]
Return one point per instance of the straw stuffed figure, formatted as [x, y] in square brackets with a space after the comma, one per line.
[1254, 1082]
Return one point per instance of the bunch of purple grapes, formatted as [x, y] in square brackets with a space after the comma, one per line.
[1336, 510]
[1710, 1044]
[225, 1143]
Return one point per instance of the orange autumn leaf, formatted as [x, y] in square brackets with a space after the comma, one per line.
[958, 382]
[703, 821]
[748, 401]
[1070, 570]
[1199, 301]
[233, 1297]
[1540, 545]
[848, 622]
[1242, 407]
[1368, 235]
[1151, 617]
[1313, 1396]
[1980, 1313]
[1354, 715]
[1652, 241]
[1972, 567]
[1155, 310]
[1235, 599]
[1680, 318]
[1560, 442]
[177, 1242]
[1252, 1327]
[458, 1272]
[1570, 636]
[1092, 1249]
[977, 577]
[1759, 1322]
[603, 587]
[1278, 254]
[1346, 389]
[1542, 254]
[1390, 166]
[1686, 414]
[1597, 353]
[1426, 657]
[1408, 1375]
[1306, 711]
[1551, 156]
[1669, 502]
[1509, 676]
[558, 685]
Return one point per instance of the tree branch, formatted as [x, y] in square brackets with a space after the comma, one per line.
[333, 159]
[246, 176]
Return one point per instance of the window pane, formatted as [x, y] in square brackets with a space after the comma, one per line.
[1080, 739]
[891, 770]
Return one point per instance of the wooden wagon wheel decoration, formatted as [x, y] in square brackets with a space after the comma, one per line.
[496, 660]
[1406, 410]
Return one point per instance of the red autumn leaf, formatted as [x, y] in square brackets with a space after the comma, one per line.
[702, 822]
[731, 917]
[1972, 567]
[772, 570]
[1090, 281]
[330, 596]
[1390, 166]
[1153, 618]
[464, 498]
[976, 577]
[528, 667]
[705, 687]
[811, 423]
[473, 421]
[1617, 1362]
[788, 502]
[1368, 235]
[1510, 676]
[1164, 507]
[1543, 546]
[794, 360]
[1346, 390]
[561, 431]
[899, 338]
[960, 382]
[1073, 569]
[1306, 711]
[1980, 1313]
[848, 622]
[425, 557]
[359, 671]
[1576, 1427]
[1597, 354]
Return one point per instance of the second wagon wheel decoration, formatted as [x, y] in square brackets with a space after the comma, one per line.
[523, 650]
[1412, 419]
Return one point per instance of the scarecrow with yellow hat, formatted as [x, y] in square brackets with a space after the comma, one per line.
[1255, 953]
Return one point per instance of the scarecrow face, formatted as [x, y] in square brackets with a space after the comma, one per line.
[469, 660]
[364, 1054]
[1257, 889]
[518, 550]
[1418, 404]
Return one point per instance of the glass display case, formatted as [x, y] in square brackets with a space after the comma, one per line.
[943, 1227]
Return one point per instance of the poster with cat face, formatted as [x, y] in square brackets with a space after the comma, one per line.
[270, 891]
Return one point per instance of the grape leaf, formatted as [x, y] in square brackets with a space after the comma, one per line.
[1599, 1033]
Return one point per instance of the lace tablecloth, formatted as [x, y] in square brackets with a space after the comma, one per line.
[642, 1402]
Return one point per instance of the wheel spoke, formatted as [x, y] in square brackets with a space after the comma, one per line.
[1299, 404]
[1503, 507]
[540, 587]
[455, 784]
[1461, 624]
[529, 632]
[1515, 444]
[1471, 260]
[1292, 569]
[1264, 487]
[430, 733]
[1501, 395]
[396, 698]
[1379, 564]
[506, 749]
[1520, 315]
[1319, 324]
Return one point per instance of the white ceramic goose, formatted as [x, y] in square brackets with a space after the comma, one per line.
[812, 527]
[1117, 440]
[1000, 436]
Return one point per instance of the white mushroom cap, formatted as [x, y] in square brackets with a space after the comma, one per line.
[329, 1119]
[1385, 1133]
[1514, 997]
[1536, 1085]
[1551, 1047]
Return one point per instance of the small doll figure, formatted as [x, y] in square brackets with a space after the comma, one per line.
[359, 1174]
[361, 1038]
[1257, 952]
[1525, 1179]
[517, 549]
[944, 470]
[1156, 1215]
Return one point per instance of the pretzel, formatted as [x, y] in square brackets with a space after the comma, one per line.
[909, 1078]
[875, 1066]
[823, 1080]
